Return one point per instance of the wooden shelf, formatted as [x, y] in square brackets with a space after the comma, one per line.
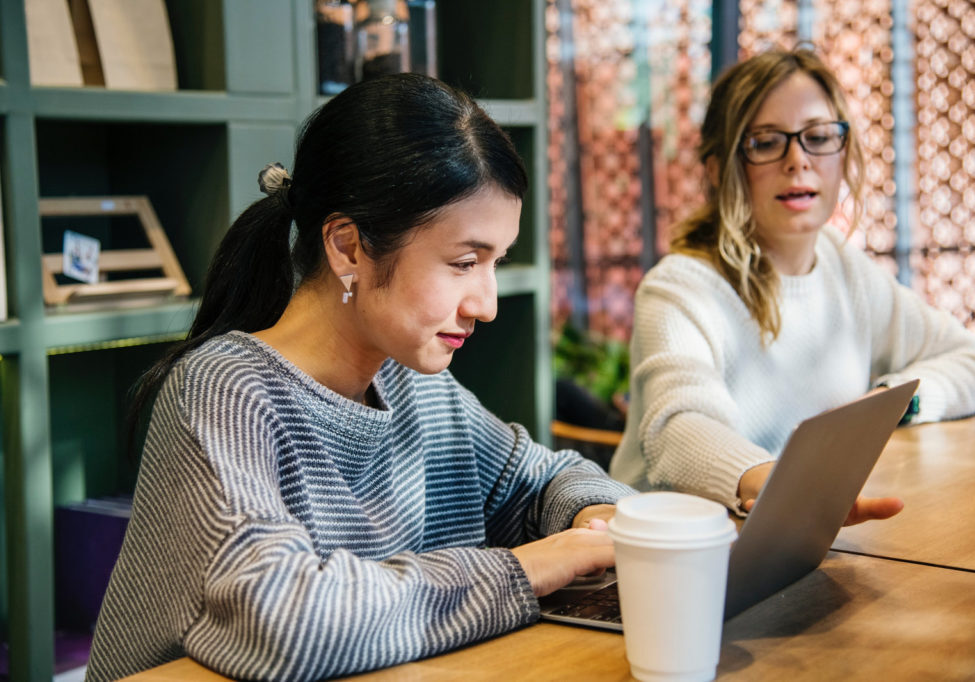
[103, 328]
[98, 104]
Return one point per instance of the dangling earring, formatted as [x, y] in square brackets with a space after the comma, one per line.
[347, 283]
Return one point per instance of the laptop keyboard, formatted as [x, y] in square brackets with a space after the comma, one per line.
[602, 604]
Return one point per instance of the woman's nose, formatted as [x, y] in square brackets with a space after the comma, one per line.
[795, 155]
[481, 302]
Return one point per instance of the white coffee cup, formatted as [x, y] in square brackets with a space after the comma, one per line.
[672, 565]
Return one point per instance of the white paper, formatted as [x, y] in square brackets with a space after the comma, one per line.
[81, 255]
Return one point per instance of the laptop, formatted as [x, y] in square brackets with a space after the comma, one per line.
[796, 516]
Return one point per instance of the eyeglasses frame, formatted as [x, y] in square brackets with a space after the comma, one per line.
[845, 125]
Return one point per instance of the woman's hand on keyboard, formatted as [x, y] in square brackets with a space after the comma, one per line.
[554, 561]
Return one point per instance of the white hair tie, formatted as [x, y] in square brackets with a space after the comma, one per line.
[273, 179]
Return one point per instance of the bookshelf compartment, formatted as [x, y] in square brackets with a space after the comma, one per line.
[99, 43]
[181, 168]
[88, 402]
[486, 48]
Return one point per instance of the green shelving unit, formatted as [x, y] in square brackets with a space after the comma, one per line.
[247, 75]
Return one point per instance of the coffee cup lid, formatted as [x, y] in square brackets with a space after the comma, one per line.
[671, 518]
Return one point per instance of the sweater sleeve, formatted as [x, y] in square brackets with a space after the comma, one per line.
[274, 608]
[685, 414]
[531, 491]
[911, 339]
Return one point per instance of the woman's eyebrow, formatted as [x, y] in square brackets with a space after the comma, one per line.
[775, 126]
[478, 245]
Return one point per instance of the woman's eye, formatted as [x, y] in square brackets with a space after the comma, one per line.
[504, 260]
[763, 144]
[466, 265]
[818, 140]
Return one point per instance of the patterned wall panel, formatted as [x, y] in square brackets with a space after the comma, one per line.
[944, 235]
[680, 80]
[854, 38]
[592, 120]
[611, 64]
[765, 24]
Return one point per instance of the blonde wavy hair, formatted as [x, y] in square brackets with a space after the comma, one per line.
[723, 230]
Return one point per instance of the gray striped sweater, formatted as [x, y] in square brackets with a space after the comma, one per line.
[282, 532]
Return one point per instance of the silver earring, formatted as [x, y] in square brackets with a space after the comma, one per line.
[347, 283]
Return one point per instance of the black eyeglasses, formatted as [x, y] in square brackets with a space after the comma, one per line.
[818, 139]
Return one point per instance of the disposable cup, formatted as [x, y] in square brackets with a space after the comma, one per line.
[672, 567]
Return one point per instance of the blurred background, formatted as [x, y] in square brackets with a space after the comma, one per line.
[628, 81]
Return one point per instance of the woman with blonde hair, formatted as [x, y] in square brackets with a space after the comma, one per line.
[763, 315]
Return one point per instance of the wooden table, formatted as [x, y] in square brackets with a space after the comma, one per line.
[932, 468]
[855, 617]
[900, 607]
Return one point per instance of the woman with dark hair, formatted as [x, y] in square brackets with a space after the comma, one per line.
[317, 495]
[762, 315]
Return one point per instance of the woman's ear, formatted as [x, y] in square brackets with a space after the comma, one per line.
[343, 249]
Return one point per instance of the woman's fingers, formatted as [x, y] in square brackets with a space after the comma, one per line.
[553, 562]
[873, 508]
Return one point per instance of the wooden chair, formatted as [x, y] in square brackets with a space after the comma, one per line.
[595, 444]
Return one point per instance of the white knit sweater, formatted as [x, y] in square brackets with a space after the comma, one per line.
[709, 401]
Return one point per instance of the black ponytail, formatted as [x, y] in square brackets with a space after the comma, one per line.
[387, 154]
[251, 278]
[248, 284]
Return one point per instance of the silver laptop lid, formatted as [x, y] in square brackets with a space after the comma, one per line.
[809, 493]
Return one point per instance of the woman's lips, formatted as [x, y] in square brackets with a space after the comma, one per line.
[797, 200]
[453, 340]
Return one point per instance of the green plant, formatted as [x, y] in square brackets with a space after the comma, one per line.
[601, 366]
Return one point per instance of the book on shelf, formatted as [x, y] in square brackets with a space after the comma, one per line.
[135, 44]
[51, 45]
